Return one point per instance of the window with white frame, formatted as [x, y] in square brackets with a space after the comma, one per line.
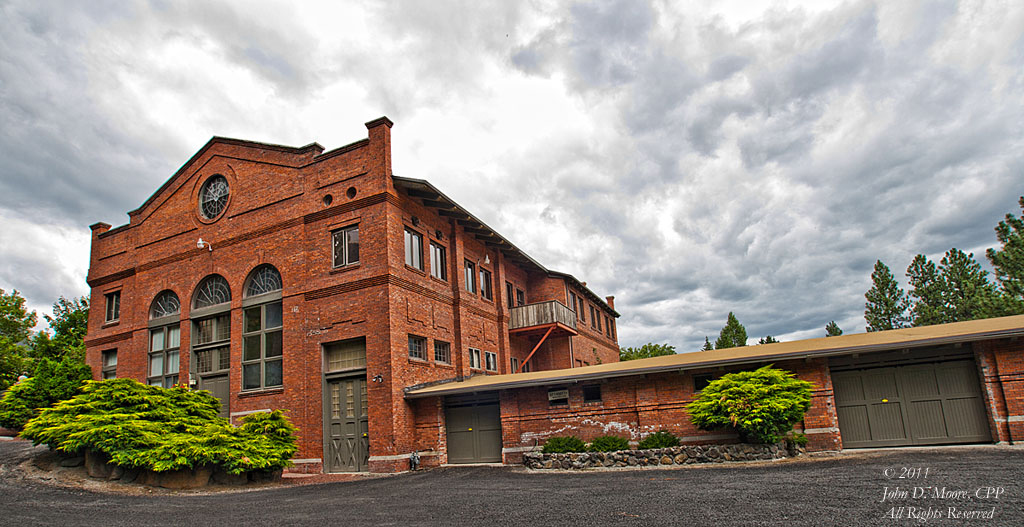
[164, 340]
[514, 362]
[413, 249]
[438, 262]
[490, 361]
[346, 246]
[109, 364]
[470, 276]
[474, 358]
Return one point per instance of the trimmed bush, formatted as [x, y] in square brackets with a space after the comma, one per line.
[608, 444]
[52, 382]
[162, 429]
[761, 405]
[563, 444]
[658, 440]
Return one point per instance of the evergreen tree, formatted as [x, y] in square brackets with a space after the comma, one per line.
[646, 351]
[767, 340]
[966, 290]
[732, 335]
[707, 345]
[887, 304]
[926, 290]
[1008, 261]
[832, 329]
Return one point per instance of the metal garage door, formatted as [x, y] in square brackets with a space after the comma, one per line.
[474, 429]
[913, 404]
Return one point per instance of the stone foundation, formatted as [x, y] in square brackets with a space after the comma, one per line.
[680, 455]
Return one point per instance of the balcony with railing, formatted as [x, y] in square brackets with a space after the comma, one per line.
[542, 317]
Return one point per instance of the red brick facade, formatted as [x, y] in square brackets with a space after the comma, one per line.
[284, 204]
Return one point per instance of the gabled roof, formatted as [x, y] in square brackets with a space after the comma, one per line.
[974, 330]
[431, 197]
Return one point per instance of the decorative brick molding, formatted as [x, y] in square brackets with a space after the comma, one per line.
[680, 455]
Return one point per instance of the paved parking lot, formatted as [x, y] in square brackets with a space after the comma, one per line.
[843, 490]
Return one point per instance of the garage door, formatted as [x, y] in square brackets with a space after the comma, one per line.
[915, 404]
[474, 429]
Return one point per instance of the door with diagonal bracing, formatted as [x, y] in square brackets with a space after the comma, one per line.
[347, 434]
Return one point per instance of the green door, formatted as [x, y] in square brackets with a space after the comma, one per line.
[474, 429]
[218, 387]
[920, 404]
[347, 434]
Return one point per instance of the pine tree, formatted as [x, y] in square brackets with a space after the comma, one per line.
[646, 351]
[1008, 261]
[887, 304]
[732, 335]
[832, 329]
[966, 292]
[926, 289]
[707, 345]
[767, 340]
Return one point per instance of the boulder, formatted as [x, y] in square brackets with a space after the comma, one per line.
[96, 464]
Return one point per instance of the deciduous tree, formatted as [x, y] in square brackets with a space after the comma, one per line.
[646, 351]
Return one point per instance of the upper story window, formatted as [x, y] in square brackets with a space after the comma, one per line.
[166, 304]
[346, 246]
[417, 347]
[470, 276]
[212, 291]
[262, 323]
[438, 262]
[485, 284]
[598, 319]
[520, 297]
[607, 326]
[509, 295]
[113, 306]
[474, 358]
[574, 304]
[593, 317]
[413, 249]
[490, 361]
[442, 352]
[213, 196]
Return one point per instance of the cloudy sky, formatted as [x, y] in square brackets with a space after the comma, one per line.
[689, 160]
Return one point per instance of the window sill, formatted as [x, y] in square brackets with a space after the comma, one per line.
[262, 391]
[420, 362]
[415, 270]
[446, 365]
[344, 268]
[439, 280]
[110, 323]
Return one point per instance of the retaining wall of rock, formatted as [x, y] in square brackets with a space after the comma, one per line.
[680, 455]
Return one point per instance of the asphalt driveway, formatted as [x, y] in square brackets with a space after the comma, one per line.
[976, 486]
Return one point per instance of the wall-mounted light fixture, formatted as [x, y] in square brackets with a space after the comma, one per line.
[378, 378]
[200, 244]
[487, 259]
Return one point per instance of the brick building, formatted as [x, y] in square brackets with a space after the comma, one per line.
[321, 284]
[946, 384]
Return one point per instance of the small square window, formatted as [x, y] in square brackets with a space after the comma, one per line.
[417, 347]
[442, 352]
[474, 358]
[113, 306]
[346, 246]
[491, 361]
[592, 393]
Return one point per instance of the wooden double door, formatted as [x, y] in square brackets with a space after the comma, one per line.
[346, 428]
[919, 404]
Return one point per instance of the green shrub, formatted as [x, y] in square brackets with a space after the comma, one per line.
[162, 429]
[761, 405]
[797, 439]
[608, 444]
[563, 444]
[52, 382]
[658, 440]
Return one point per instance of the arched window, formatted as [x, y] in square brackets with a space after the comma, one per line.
[213, 290]
[265, 279]
[166, 304]
[164, 340]
[262, 323]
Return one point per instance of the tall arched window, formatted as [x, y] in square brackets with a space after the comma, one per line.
[164, 340]
[262, 345]
[211, 336]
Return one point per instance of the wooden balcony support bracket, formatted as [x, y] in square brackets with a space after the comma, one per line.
[535, 348]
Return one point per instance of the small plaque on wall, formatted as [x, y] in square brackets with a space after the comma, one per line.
[554, 395]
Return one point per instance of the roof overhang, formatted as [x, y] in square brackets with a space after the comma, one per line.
[958, 332]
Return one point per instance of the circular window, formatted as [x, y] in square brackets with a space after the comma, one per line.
[213, 197]
[351, 192]
[328, 199]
